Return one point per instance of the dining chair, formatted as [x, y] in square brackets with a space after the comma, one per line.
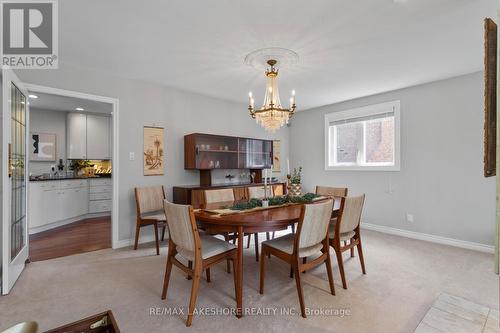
[149, 203]
[259, 192]
[311, 239]
[331, 191]
[222, 195]
[203, 250]
[346, 229]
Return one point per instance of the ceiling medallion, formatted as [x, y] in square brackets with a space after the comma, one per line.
[271, 115]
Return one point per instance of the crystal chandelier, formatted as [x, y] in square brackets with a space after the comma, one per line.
[271, 115]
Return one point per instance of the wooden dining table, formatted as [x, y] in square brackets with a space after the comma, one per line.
[241, 223]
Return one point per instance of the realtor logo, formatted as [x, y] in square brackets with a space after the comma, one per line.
[29, 37]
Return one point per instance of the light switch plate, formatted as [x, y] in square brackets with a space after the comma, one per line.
[131, 156]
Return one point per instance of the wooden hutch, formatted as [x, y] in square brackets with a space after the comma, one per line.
[207, 152]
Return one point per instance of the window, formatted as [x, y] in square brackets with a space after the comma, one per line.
[366, 138]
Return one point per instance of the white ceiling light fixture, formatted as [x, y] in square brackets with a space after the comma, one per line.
[33, 96]
[79, 109]
[271, 115]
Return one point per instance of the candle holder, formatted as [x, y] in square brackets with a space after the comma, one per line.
[288, 186]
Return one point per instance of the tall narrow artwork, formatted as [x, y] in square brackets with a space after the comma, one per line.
[154, 151]
[276, 156]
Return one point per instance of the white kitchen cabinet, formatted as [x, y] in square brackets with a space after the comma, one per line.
[57, 200]
[76, 136]
[100, 194]
[88, 136]
[98, 144]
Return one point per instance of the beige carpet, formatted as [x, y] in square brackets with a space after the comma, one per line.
[404, 278]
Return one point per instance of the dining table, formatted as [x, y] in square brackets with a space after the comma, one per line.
[273, 218]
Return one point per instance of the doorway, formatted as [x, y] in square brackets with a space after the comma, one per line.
[86, 167]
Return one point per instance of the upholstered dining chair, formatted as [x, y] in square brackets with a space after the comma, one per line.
[346, 228]
[202, 250]
[149, 202]
[311, 239]
[220, 195]
[259, 192]
[331, 191]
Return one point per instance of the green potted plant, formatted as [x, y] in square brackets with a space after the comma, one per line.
[78, 165]
[295, 182]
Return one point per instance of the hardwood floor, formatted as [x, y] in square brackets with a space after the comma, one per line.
[78, 237]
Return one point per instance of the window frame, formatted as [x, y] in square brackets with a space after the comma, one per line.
[369, 110]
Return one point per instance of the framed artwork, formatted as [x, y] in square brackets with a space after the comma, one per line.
[276, 156]
[154, 151]
[490, 97]
[43, 147]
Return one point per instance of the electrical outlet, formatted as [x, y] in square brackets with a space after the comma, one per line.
[410, 218]
[131, 156]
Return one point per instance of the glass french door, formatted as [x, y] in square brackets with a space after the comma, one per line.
[14, 179]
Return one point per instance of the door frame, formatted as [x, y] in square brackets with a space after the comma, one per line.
[8, 75]
[115, 117]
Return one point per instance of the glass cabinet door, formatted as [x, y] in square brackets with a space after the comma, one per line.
[259, 153]
[216, 152]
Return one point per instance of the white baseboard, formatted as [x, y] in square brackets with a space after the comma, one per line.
[128, 242]
[430, 238]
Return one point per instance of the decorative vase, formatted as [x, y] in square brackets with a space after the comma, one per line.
[295, 190]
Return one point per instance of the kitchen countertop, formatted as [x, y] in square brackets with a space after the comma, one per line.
[66, 178]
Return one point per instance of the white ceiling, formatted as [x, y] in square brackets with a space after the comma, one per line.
[68, 104]
[347, 48]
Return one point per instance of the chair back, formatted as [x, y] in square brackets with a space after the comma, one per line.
[221, 195]
[149, 199]
[181, 225]
[331, 191]
[313, 228]
[350, 215]
[259, 192]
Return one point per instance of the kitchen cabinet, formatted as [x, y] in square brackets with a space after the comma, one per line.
[76, 136]
[59, 200]
[98, 144]
[100, 193]
[88, 136]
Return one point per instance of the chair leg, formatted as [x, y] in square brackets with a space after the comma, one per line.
[273, 234]
[329, 272]
[299, 290]
[190, 266]
[228, 264]
[340, 261]
[163, 233]
[194, 293]
[268, 237]
[248, 240]
[137, 230]
[361, 259]
[291, 272]
[168, 269]
[262, 269]
[156, 239]
[256, 238]
[293, 228]
[207, 272]
[352, 249]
